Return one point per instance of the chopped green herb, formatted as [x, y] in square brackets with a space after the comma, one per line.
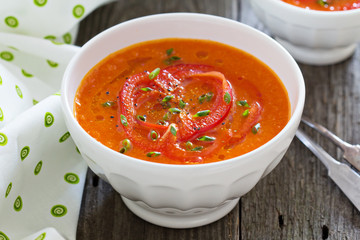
[227, 98]
[122, 150]
[123, 120]
[161, 122]
[154, 135]
[323, 3]
[256, 128]
[171, 59]
[169, 51]
[242, 103]
[182, 104]
[153, 154]
[246, 113]
[189, 145]
[202, 113]
[146, 89]
[167, 98]
[199, 148]
[208, 96]
[126, 143]
[141, 118]
[173, 130]
[108, 104]
[175, 110]
[206, 139]
[167, 116]
[154, 73]
[175, 58]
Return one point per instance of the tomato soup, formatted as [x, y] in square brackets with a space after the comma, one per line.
[182, 101]
[326, 5]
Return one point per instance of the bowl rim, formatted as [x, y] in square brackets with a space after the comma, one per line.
[293, 121]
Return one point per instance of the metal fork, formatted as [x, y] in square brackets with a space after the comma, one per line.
[345, 177]
[350, 152]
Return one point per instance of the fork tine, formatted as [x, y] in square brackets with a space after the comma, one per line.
[326, 133]
[350, 152]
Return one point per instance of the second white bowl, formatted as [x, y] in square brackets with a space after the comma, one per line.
[312, 37]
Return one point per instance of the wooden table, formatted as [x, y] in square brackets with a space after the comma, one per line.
[295, 201]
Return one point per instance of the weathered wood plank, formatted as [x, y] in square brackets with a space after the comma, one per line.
[298, 200]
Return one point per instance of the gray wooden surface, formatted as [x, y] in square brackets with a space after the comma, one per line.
[295, 201]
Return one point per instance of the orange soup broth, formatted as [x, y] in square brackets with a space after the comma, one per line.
[104, 81]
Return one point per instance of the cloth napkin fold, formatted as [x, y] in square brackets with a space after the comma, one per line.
[42, 173]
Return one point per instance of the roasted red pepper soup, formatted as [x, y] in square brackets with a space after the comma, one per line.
[326, 5]
[182, 101]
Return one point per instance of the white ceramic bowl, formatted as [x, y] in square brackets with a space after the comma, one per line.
[312, 37]
[181, 196]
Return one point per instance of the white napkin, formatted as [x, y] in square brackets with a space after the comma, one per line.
[42, 173]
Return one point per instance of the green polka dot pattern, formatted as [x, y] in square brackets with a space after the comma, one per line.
[50, 37]
[18, 91]
[41, 236]
[7, 56]
[18, 204]
[26, 74]
[67, 38]
[39, 147]
[24, 152]
[40, 3]
[3, 236]
[3, 139]
[71, 178]
[38, 168]
[52, 63]
[11, 21]
[58, 210]
[64, 137]
[49, 119]
[56, 42]
[8, 189]
[78, 11]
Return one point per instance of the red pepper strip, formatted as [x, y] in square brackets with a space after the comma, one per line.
[137, 132]
[191, 126]
[253, 118]
[255, 110]
[126, 102]
[167, 81]
[166, 143]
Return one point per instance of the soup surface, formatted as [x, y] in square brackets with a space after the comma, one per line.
[182, 101]
[326, 5]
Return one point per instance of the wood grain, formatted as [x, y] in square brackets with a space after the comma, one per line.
[295, 201]
[298, 200]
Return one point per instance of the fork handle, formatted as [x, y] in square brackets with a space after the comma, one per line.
[325, 132]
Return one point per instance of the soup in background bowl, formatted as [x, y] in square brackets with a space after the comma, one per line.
[178, 195]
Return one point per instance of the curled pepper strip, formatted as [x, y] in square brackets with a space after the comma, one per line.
[169, 81]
